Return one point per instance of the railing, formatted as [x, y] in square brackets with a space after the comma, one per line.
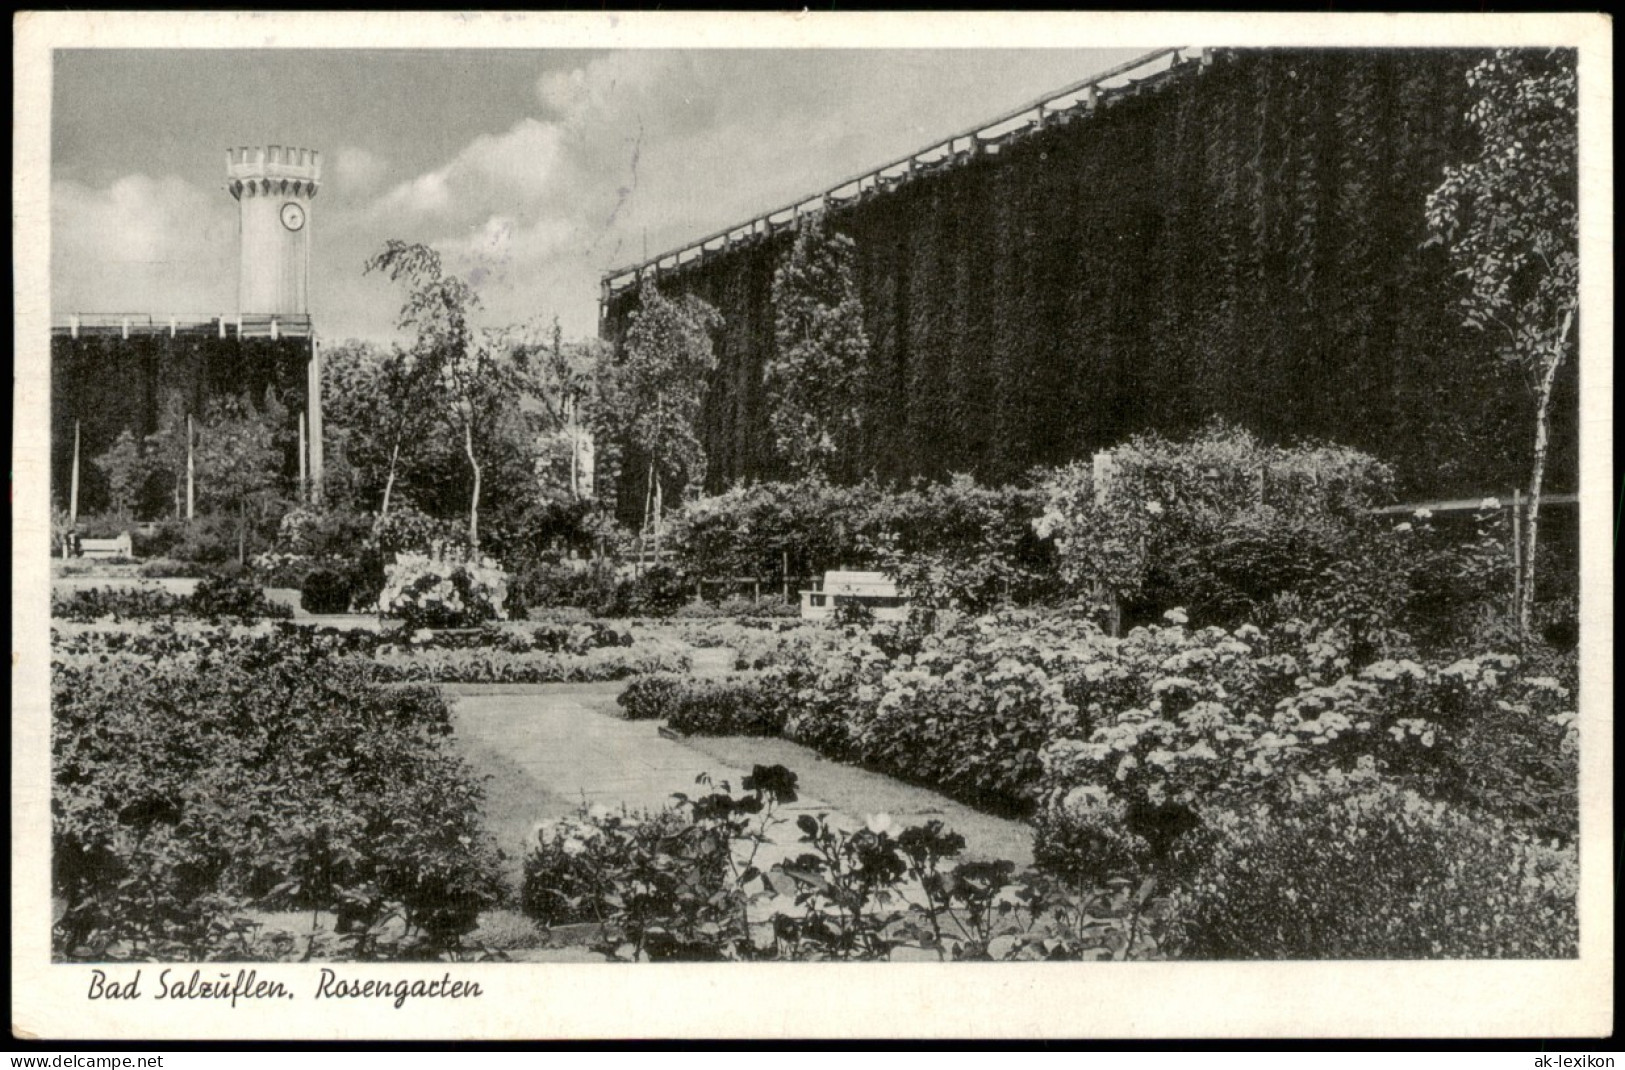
[128, 324]
[987, 138]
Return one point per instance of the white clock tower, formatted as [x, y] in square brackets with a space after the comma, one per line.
[274, 187]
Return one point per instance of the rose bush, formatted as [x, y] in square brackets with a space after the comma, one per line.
[443, 589]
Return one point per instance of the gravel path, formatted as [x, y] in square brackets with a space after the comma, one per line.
[566, 741]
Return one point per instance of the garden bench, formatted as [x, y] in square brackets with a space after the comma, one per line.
[871, 589]
[119, 547]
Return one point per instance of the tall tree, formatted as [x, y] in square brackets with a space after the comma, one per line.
[166, 448]
[1510, 218]
[564, 382]
[814, 380]
[478, 374]
[237, 457]
[125, 469]
[381, 406]
[653, 393]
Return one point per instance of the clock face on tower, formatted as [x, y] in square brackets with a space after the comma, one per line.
[293, 216]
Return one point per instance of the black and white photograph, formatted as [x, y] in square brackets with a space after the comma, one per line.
[704, 525]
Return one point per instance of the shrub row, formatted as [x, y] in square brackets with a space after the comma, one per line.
[482, 666]
[214, 598]
[514, 638]
[1017, 710]
[955, 543]
[1299, 804]
[745, 705]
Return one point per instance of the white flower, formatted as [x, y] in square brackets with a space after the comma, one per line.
[573, 847]
[1490, 503]
[1403, 527]
[1086, 797]
[1424, 514]
[1154, 508]
[877, 823]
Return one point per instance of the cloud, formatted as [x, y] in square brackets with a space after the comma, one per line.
[356, 171]
[514, 166]
[152, 245]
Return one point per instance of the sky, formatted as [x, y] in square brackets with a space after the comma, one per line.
[532, 172]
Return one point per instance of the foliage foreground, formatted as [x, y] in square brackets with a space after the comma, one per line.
[690, 884]
[199, 780]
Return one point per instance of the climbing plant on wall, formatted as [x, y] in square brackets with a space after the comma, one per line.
[1245, 243]
[815, 379]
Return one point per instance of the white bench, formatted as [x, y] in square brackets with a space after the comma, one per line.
[119, 547]
[871, 589]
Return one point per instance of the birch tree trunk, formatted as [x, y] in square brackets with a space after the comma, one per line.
[1543, 405]
[389, 483]
[474, 500]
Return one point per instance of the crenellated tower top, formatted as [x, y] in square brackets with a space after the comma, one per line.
[275, 169]
[275, 189]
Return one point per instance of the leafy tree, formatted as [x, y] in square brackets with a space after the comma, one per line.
[1510, 218]
[237, 457]
[381, 406]
[125, 468]
[166, 448]
[814, 381]
[478, 376]
[564, 385]
[654, 392]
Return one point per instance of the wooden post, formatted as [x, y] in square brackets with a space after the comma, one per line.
[73, 484]
[313, 405]
[191, 472]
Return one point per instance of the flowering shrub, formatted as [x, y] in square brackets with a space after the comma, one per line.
[1165, 496]
[1356, 867]
[971, 710]
[1018, 710]
[685, 884]
[579, 869]
[443, 590]
[1198, 716]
